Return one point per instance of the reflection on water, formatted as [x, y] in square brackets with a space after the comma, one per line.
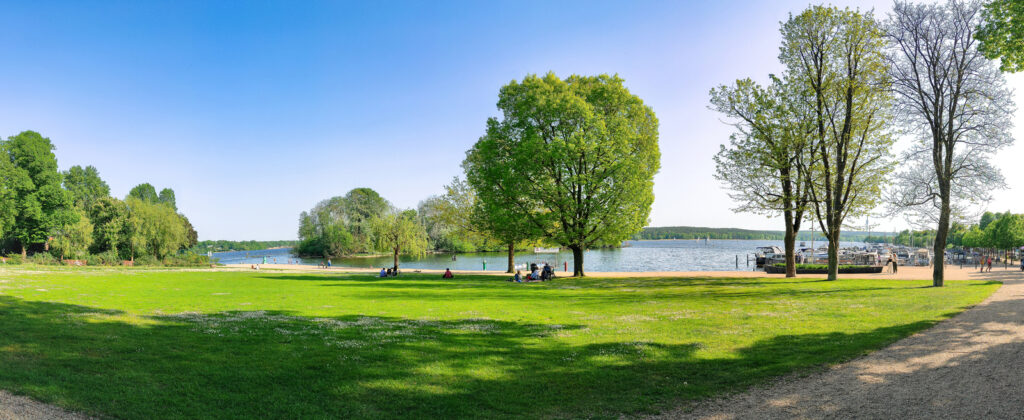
[667, 255]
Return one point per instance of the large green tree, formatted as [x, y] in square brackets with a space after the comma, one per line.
[574, 159]
[42, 206]
[399, 233]
[14, 183]
[1002, 33]
[767, 163]
[85, 185]
[836, 58]
[340, 225]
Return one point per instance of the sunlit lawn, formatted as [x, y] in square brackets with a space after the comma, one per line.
[165, 344]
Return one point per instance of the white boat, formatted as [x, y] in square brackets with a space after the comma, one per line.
[542, 250]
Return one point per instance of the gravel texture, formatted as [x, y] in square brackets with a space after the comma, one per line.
[17, 407]
[970, 366]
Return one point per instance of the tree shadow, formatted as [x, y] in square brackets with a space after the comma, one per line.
[277, 364]
[958, 369]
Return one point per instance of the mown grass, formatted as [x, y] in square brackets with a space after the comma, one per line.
[204, 344]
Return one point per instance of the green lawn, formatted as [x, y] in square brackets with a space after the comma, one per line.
[177, 344]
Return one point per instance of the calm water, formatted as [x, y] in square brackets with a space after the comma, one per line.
[668, 255]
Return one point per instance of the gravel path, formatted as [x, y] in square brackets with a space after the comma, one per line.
[17, 407]
[970, 366]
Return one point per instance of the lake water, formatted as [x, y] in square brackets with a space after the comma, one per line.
[666, 255]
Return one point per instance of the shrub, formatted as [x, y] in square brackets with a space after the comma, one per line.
[819, 266]
[43, 258]
[108, 257]
[147, 260]
[187, 260]
[14, 259]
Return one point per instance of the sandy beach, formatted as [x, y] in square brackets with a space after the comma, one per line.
[905, 273]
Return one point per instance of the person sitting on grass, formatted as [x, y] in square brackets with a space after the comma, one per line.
[447, 274]
[518, 277]
[536, 274]
[383, 273]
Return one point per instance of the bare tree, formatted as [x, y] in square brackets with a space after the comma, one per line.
[956, 103]
[767, 161]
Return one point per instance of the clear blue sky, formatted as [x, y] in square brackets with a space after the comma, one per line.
[255, 111]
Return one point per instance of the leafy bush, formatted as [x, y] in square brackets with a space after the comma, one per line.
[14, 259]
[147, 260]
[820, 266]
[187, 260]
[109, 258]
[43, 258]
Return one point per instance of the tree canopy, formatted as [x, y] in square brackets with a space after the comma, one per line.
[340, 225]
[573, 159]
[1002, 33]
[85, 185]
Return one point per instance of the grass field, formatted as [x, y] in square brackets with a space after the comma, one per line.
[188, 344]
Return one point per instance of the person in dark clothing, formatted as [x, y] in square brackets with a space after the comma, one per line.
[894, 266]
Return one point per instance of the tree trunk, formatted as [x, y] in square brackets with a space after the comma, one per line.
[396, 260]
[833, 254]
[790, 244]
[577, 261]
[941, 233]
[511, 257]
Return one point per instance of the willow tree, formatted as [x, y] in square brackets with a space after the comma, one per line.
[956, 103]
[836, 58]
[398, 233]
[571, 161]
[766, 165]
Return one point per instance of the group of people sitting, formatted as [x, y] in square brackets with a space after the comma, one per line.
[536, 274]
[389, 272]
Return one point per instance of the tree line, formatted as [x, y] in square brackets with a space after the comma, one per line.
[689, 232]
[71, 215]
[221, 245]
[815, 143]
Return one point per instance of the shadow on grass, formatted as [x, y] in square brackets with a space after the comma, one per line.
[275, 364]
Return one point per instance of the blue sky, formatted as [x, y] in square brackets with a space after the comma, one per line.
[254, 111]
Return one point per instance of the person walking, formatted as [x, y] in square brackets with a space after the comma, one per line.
[989, 264]
[894, 266]
[485, 265]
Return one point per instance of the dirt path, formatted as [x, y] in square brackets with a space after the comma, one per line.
[17, 407]
[967, 367]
